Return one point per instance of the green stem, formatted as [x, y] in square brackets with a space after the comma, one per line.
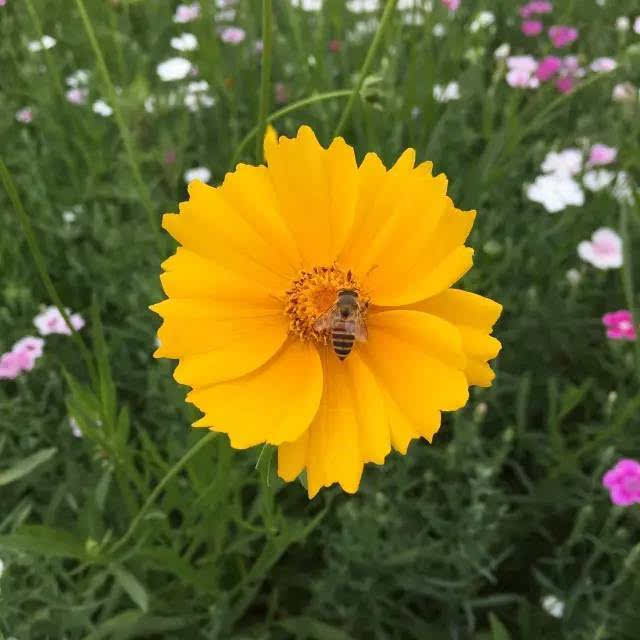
[124, 131]
[265, 77]
[627, 277]
[41, 266]
[294, 106]
[161, 485]
[373, 48]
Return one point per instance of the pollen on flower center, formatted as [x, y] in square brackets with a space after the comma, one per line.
[313, 293]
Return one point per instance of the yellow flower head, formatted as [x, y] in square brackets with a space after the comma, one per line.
[310, 307]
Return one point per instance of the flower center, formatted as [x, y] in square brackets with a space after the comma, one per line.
[314, 293]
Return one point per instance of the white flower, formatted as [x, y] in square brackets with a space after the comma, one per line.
[604, 250]
[555, 192]
[1, 567]
[46, 42]
[51, 321]
[78, 78]
[598, 179]
[566, 163]
[623, 23]
[603, 65]
[624, 92]
[77, 95]
[413, 18]
[623, 190]
[502, 51]
[439, 30]
[553, 606]
[636, 25]
[174, 69]
[24, 115]
[185, 42]
[307, 5]
[198, 86]
[363, 6]
[102, 108]
[449, 92]
[482, 20]
[526, 64]
[75, 427]
[197, 173]
[69, 216]
[193, 101]
[573, 276]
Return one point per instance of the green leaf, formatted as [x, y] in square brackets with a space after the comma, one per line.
[307, 627]
[498, 630]
[46, 541]
[132, 586]
[26, 465]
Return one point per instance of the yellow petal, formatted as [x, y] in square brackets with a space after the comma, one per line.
[199, 326]
[477, 344]
[463, 307]
[292, 457]
[249, 191]
[316, 190]
[333, 453]
[420, 384]
[273, 404]
[209, 226]
[479, 373]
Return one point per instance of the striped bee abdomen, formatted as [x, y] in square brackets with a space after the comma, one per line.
[342, 341]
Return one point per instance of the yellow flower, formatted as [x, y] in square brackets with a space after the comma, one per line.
[265, 255]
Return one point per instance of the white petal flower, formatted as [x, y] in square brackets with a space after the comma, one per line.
[567, 162]
[623, 189]
[46, 42]
[502, 51]
[198, 86]
[185, 42]
[623, 23]
[555, 192]
[603, 65]
[598, 179]
[604, 250]
[197, 173]
[186, 12]
[78, 78]
[102, 108]
[553, 606]
[482, 20]
[307, 5]
[363, 6]
[447, 93]
[573, 276]
[174, 69]
[439, 30]
[75, 427]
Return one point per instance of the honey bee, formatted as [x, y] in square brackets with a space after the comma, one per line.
[345, 322]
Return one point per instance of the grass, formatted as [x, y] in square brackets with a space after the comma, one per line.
[146, 529]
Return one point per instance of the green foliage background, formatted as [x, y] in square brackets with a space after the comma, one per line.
[108, 537]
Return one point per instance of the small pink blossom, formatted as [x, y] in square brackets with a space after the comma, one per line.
[522, 79]
[77, 96]
[13, 363]
[24, 115]
[335, 46]
[619, 325]
[601, 154]
[3, 3]
[452, 5]
[623, 482]
[51, 321]
[603, 65]
[564, 84]
[624, 92]
[604, 250]
[531, 8]
[531, 28]
[548, 67]
[562, 35]
[232, 35]
[186, 12]
[31, 344]
[522, 63]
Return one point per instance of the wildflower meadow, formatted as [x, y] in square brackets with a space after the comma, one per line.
[319, 319]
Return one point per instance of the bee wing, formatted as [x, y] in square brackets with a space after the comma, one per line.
[360, 328]
[324, 321]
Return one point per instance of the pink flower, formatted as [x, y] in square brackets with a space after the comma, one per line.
[521, 79]
[233, 35]
[24, 115]
[531, 8]
[452, 5]
[604, 251]
[3, 3]
[51, 321]
[561, 35]
[335, 46]
[548, 67]
[601, 154]
[624, 92]
[531, 28]
[77, 96]
[619, 325]
[564, 84]
[186, 12]
[623, 482]
[32, 344]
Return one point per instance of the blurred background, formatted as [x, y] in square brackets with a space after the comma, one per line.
[500, 529]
